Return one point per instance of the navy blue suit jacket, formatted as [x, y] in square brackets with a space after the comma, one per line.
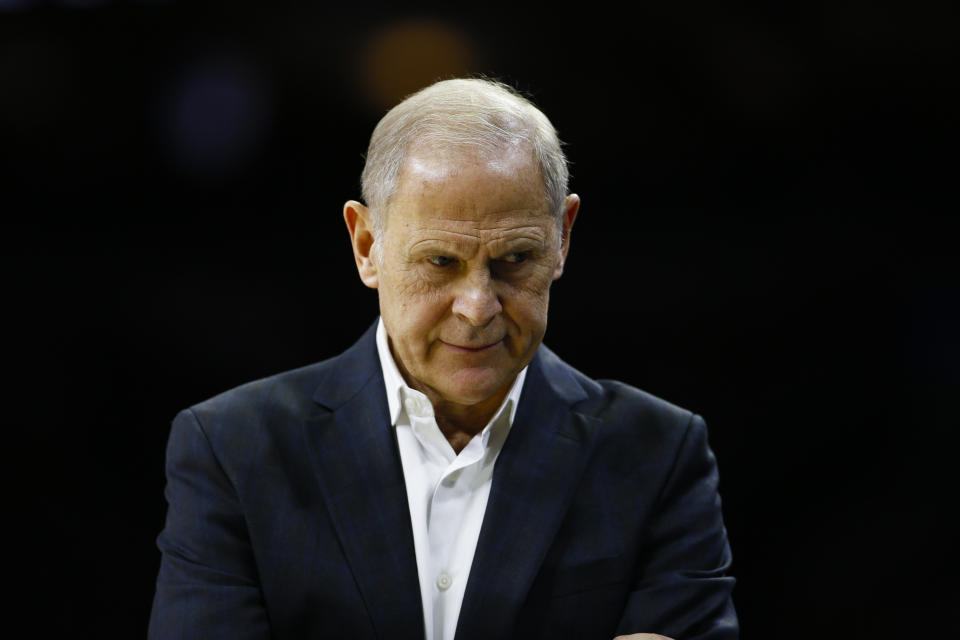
[288, 516]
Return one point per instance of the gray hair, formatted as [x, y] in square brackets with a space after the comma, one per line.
[461, 114]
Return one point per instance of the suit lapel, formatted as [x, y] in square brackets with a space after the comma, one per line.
[539, 466]
[361, 479]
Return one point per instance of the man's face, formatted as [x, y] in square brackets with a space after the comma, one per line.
[464, 272]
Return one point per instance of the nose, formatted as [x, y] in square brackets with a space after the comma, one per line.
[476, 301]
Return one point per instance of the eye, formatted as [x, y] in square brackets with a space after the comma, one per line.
[516, 258]
[440, 261]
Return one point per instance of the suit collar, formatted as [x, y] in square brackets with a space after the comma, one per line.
[361, 478]
[358, 467]
[533, 484]
[558, 378]
[349, 372]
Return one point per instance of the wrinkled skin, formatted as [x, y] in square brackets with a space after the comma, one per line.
[463, 272]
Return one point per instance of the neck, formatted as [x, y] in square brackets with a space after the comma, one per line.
[458, 422]
[461, 422]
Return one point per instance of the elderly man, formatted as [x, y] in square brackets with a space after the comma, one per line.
[448, 476]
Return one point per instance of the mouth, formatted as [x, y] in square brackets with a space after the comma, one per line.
[473, 348]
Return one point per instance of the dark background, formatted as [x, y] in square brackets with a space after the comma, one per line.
[768, 237]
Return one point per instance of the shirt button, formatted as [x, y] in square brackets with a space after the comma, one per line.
[444, 581]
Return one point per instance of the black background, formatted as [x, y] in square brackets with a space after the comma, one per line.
[768, 237]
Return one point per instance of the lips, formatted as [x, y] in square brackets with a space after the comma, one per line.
[473, 348]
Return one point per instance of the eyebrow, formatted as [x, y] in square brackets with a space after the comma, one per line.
[515, 245]
[498, 248]
[436, 246]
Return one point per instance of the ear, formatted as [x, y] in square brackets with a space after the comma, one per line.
[360, 226]
[571, 205]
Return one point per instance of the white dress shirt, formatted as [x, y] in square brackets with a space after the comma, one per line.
[447, 493]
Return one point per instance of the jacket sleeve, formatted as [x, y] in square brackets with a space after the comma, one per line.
[207, 586]
[682, 589]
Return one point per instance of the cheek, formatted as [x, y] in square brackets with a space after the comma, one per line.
[414, 302]
[528, 305]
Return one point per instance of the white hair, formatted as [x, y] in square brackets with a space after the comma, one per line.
[467, 114]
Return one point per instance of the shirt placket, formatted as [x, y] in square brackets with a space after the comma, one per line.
[449, 502]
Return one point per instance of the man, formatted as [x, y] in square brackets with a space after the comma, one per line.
[448, 476]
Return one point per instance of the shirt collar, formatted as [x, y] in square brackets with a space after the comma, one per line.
[397, 387]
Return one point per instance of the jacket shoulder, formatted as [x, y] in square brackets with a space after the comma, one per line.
[293, 384]
[622, 408]
[292, 394]
[253, 427]
[276, 399]
[623, 398]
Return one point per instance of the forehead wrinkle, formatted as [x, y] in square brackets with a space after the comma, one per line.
[493, 242]
[446, 236]
[494, 234]
[462, 244]
[532, 232]
[488, 221]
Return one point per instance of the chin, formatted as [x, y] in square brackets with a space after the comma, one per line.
[465, 388]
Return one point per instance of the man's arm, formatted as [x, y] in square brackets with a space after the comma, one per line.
[207, 587]
[683, 590]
